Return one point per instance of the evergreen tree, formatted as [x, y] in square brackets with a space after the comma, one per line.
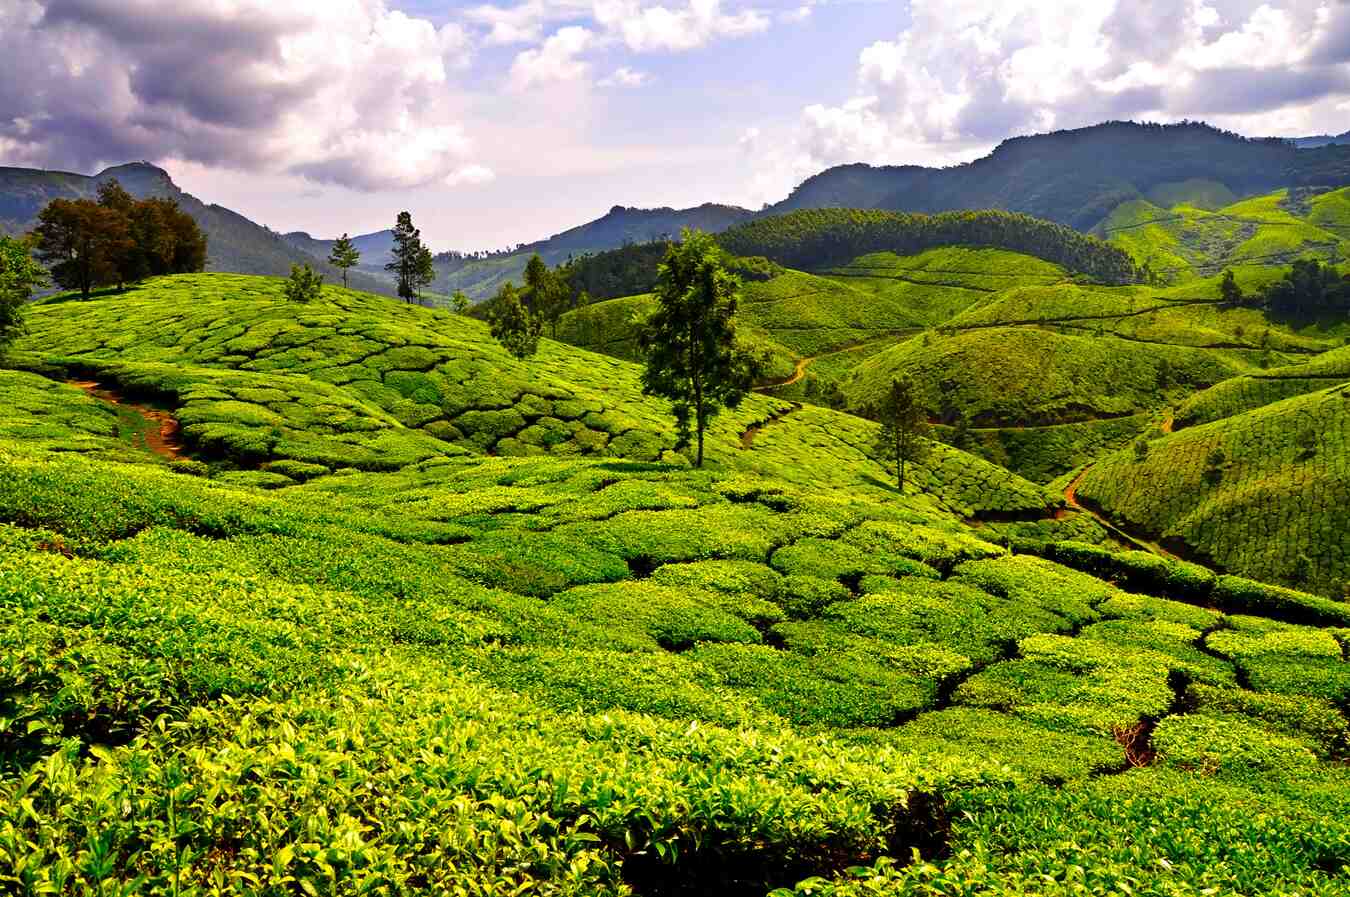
[1229, 291]
[513, 324]
[19, 276]
[406, 266]
[690, 345]
[304, 285]
[344, 256]
[904, 427]
[426, 271]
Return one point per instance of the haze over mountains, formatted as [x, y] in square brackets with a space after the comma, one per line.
[1075, 177]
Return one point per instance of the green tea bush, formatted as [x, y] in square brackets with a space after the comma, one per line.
[1230, 745]
[1305, 718]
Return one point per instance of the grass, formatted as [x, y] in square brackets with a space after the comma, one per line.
[491, 672]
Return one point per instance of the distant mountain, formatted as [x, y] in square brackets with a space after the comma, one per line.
[1078, 177]
[481, 275]
[235, 244]
[1323, 140]
[376, 249]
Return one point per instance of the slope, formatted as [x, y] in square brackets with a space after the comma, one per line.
[290, 392]
[572, 675]
[1078, 177]
[1271, 505]
[234, 243]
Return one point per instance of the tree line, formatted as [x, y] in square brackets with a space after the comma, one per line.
[814, 239]
[1308, 291]
[116, 239]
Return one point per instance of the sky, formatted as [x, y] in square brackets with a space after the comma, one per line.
[505, 122]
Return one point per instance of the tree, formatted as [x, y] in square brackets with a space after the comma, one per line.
[548, 292]
[692, 355]
[460, 302]
[344, 256]
[1229, 291]
[406, 265]
[513, 324]
[425, 274]
[83, 243]
[904, 427]
[19, 276]
[304, 285]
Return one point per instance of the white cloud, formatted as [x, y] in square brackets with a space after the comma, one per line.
[623, 76]
[525, 22]
[340, 91]
[967, 73]
[554, 60]
[470, 175]
[646, 28]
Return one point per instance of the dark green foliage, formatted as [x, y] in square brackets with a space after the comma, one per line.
[344, 256]
[411, 262]
[19, 277]
[903, 438]
[821, 238]
[513, 324]
[692, 357]
[83, 243]
[1310, 290]
[304, 285]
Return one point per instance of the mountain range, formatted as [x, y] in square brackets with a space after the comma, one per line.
[1076, 177]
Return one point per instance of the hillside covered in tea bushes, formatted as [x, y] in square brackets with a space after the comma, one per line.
[392, 612]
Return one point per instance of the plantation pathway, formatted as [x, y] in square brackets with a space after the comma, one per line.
[804, 363]
[1169, 422]
[748, 437]
[1071, 498]
[157, 431]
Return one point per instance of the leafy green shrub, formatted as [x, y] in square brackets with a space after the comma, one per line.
[641, 612]
[1246, 596]
[1305, 718]
[1229, 745]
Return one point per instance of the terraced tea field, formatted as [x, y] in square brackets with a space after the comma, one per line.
[415, 617]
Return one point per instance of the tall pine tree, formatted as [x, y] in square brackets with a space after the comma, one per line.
[407, 264]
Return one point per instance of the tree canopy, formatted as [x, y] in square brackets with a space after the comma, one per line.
[411, 259]
[20, 275]
[904, 427]
[513, 324]
[692, 356]
[345, 255]
[1309, 290]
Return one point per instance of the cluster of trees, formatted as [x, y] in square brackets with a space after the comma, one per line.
[1308, 290]
[517, 316]
[116, 239]
[812, 239]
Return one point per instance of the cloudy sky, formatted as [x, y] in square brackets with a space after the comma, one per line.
[504, 122]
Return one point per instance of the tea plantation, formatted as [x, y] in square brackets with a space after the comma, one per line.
[412, 616]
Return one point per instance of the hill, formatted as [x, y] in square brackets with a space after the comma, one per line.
[481, 275]
[234, 243]
[376, 249]
[1078, 177]
[1185, 240]
[1269, 505]
[435, 667]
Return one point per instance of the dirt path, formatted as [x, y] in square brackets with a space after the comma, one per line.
[1169, 422]
[1071, 498]
[748, 437]
[156, 431]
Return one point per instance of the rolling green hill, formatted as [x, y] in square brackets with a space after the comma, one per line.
[1272, 506]
[350, 642]
[1186, 240]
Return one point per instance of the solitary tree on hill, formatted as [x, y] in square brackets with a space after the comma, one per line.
[904, 427]
[513, 324]
[407, 264]
[693, 358]
[459, 301]
[19, 276]
[344, 256]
